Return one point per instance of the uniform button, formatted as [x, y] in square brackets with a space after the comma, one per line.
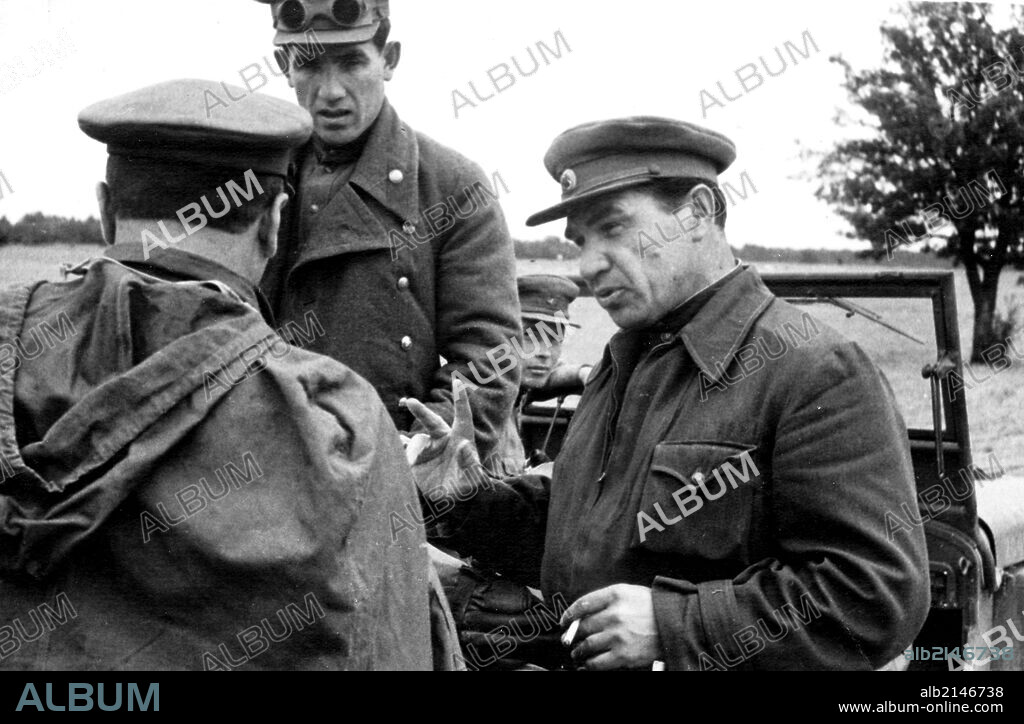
[328, 169]
[698, 478]
[406, 342]
[409, 227]
[314, 207]
[403, 283]
[396, 176]
[666, 336]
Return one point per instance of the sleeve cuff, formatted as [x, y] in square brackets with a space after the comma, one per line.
[693, 623]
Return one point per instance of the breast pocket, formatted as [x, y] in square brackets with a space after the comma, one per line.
[698, 499]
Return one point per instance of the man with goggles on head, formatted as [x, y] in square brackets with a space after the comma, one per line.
[393, 241]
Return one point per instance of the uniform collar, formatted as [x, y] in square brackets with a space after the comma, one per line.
[184, 265]
[390, 147]
[716, 332]
[712, 334]
[679, 317]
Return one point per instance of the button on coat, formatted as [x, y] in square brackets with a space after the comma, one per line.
[417, 210]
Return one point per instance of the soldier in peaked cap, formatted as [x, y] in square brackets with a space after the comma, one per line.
[712, 478]
[397, 242]
[204, 495]
[545, 300]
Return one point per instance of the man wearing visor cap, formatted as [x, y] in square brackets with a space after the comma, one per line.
[397, 242]
[704, 512]
[195, 492]
[545, 300]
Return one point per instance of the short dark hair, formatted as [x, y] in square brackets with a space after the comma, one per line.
[286, 52]
[670, 192]
[152, 190]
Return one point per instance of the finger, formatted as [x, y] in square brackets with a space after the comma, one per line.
[608, 661]
[595, 624]
[416, 447]
[435, 425]
[592, 646]
[463, 422]
[586, 605]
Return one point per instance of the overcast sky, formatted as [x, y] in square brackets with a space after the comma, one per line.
[641, 57]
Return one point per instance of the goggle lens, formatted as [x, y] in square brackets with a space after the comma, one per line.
[293, 15]
[347, 12]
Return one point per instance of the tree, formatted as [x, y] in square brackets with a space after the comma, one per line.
[941, 155]
[5, 230]
[38, 228]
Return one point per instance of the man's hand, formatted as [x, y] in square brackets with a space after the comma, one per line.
[617, 628]
[498, 622]
[443, 456]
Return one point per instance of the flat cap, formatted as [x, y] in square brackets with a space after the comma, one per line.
[595, 158]
[546, 297]
[171, 122]
[328, 21]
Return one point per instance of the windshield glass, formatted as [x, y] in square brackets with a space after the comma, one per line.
[897, 333]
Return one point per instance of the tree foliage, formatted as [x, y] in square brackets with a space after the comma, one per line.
[940, 158]
[39, 228]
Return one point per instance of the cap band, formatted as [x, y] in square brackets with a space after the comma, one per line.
[266, 164]
[612, 171]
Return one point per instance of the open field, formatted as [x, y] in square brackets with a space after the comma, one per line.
[996, 407]
[21, 264]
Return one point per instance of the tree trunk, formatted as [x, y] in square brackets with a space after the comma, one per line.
[984, 316]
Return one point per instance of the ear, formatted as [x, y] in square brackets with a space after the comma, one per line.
[270, 226]
[108, 224]
[392, 55]
[701, 201]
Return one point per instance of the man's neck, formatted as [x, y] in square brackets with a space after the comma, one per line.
[232, 251]
[686, 310]
[347, 153]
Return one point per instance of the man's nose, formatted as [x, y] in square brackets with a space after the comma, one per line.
[332, 87]
[593, 262]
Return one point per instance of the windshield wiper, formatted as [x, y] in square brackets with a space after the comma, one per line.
[851, 309]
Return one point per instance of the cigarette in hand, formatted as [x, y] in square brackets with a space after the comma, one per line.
[570, 633]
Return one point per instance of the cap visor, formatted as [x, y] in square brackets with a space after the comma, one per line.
[560, 211]
[327, 37]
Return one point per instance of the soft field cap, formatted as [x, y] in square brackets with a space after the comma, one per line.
[173, 122]
[546, 297]
[595, 158]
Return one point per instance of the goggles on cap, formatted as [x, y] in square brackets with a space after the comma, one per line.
[296, 16]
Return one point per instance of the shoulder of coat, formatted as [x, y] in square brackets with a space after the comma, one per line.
[450, 167]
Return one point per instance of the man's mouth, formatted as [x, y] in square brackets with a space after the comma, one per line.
[334, 116]
[608, 295]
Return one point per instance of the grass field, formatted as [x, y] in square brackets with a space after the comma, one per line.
[996, 407]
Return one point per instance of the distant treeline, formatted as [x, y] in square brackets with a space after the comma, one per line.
[40, 228]
[555, 248]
